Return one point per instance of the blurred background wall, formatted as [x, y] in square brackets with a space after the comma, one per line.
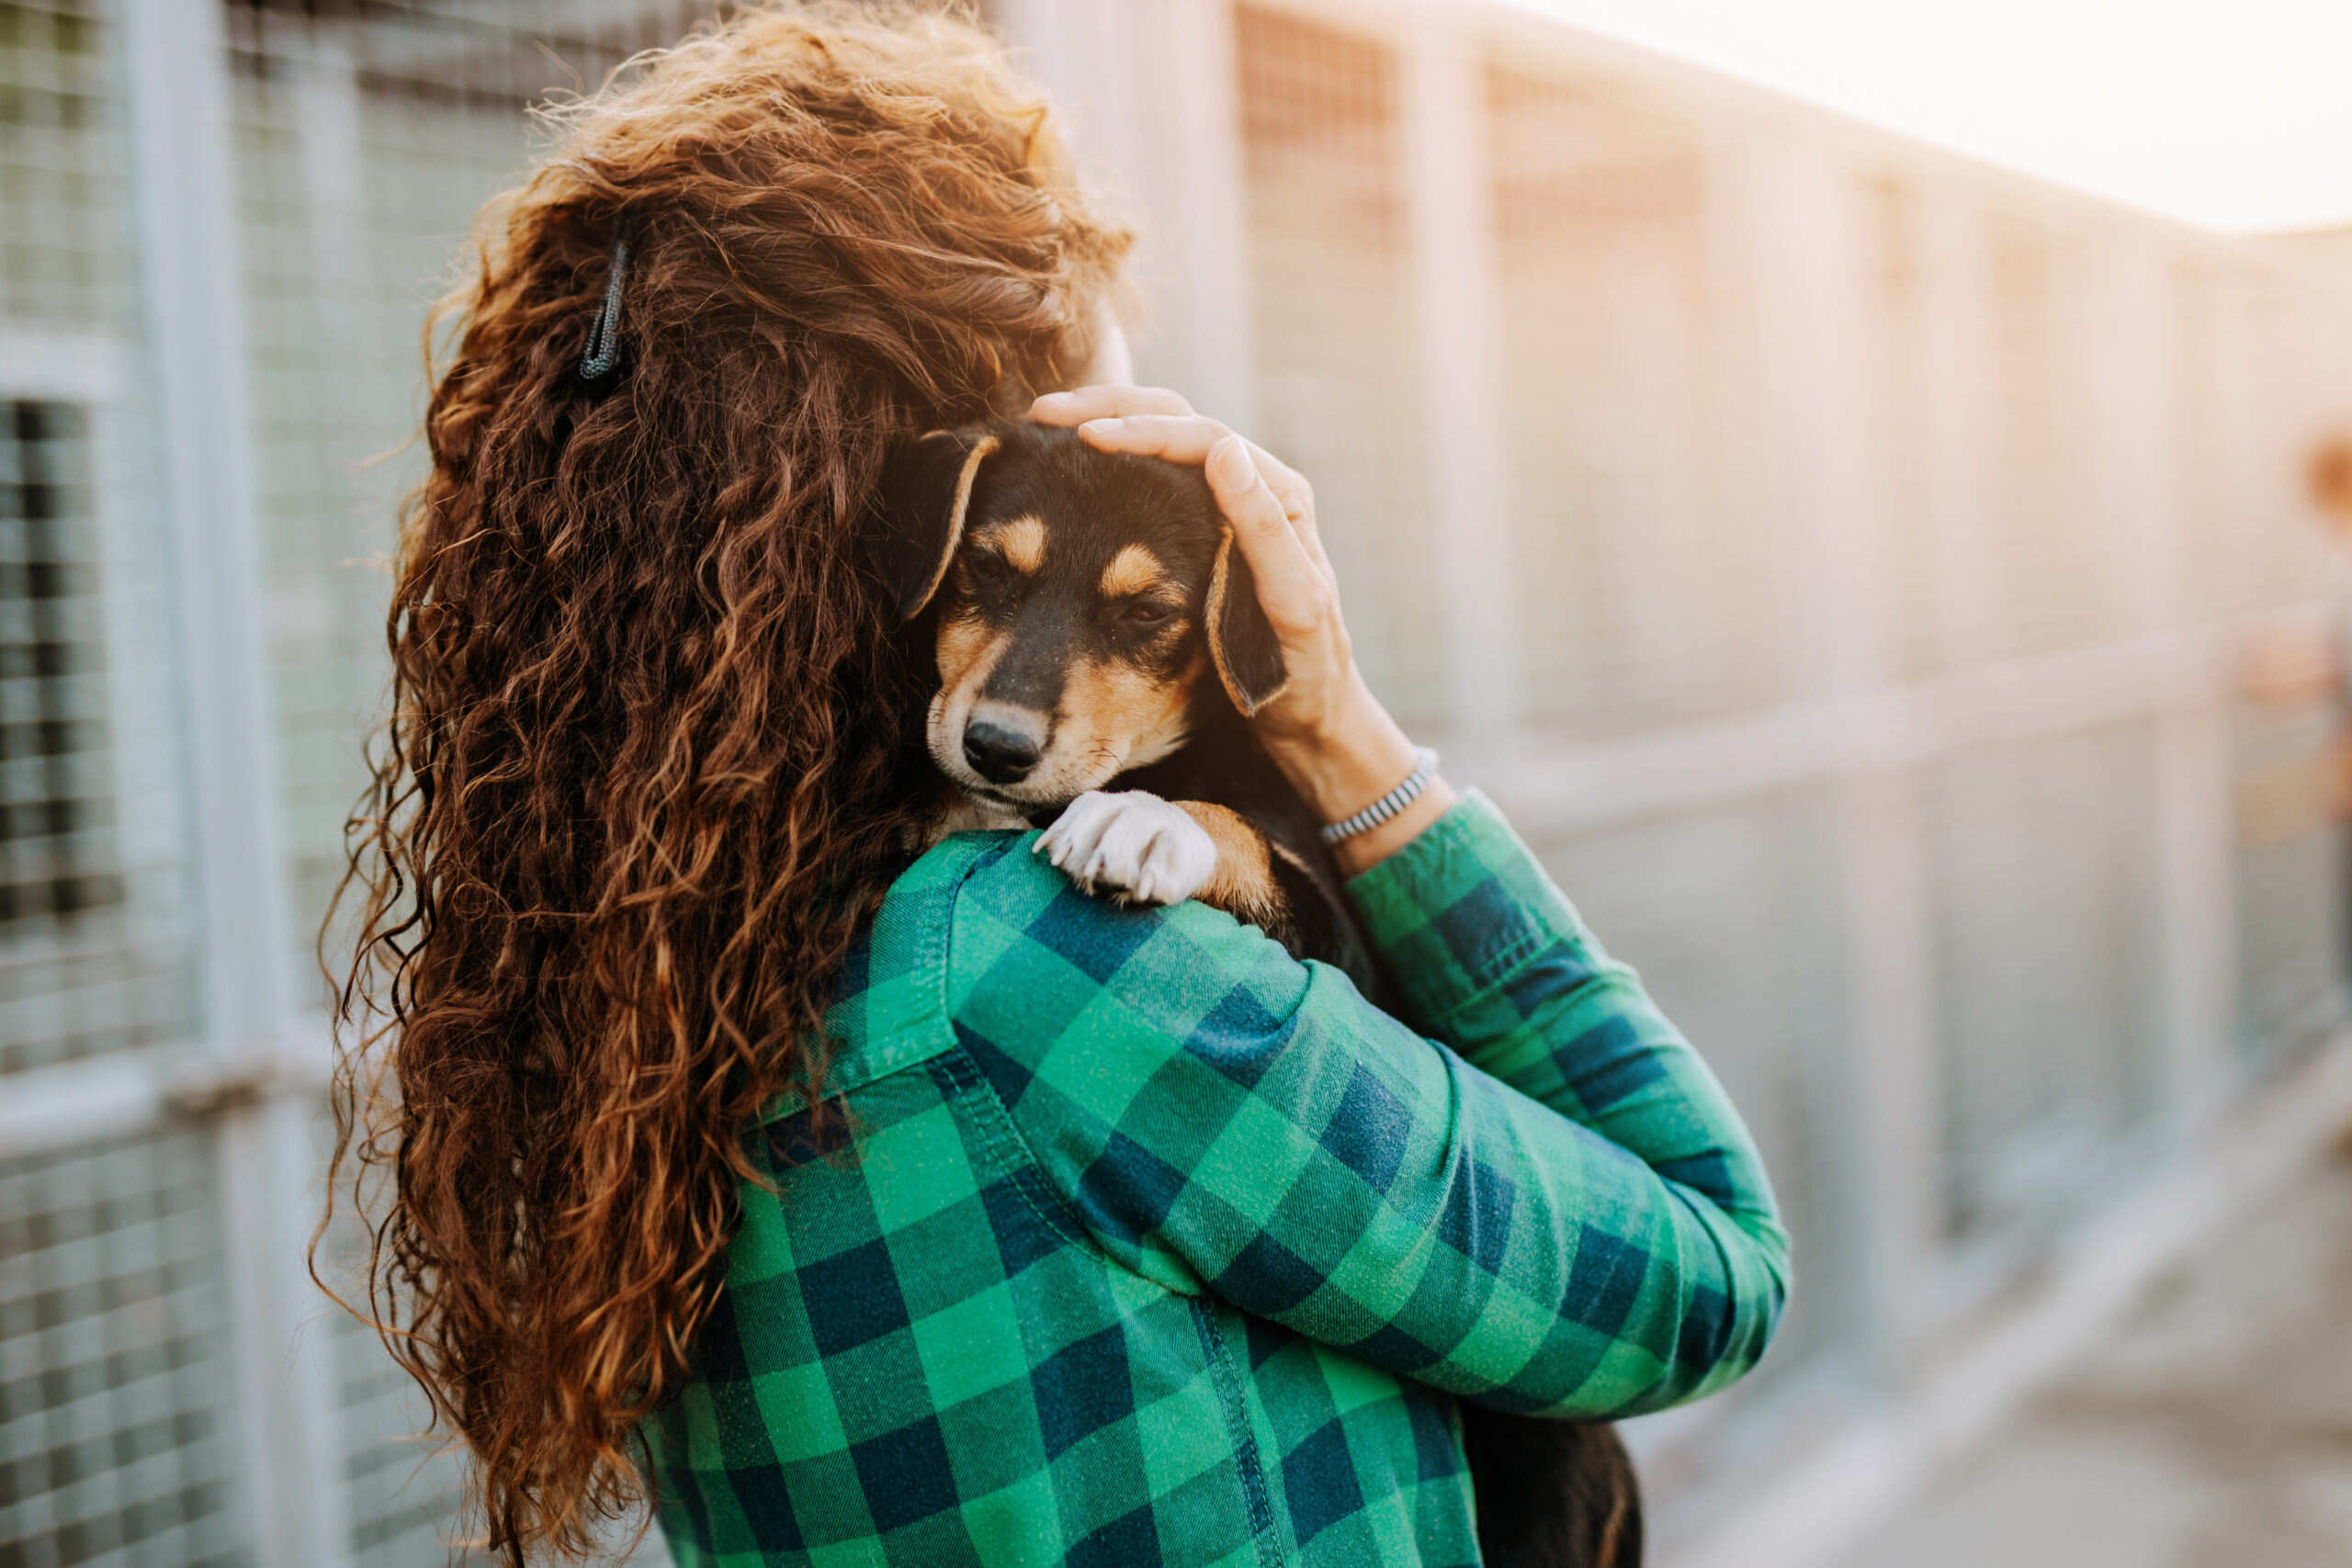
[1833, 554]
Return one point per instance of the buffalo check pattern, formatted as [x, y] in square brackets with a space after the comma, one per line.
[1125, 1239]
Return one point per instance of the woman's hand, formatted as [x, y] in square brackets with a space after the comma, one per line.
[1325, 731]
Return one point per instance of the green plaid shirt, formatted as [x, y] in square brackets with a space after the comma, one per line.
[1142, 1243]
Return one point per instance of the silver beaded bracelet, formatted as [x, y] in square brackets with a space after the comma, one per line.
[1390, 805]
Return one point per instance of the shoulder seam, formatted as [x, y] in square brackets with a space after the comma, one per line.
[1026, 1168]
[1029, 1171]
[967, 853]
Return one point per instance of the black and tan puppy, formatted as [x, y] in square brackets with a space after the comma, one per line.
[1095, 624]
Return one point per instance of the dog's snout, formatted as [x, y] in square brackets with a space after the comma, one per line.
[997, 754]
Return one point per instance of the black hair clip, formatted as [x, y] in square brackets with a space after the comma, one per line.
[604, 350]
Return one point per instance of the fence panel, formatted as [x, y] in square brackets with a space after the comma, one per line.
[2050, 1035]
[1643, 577]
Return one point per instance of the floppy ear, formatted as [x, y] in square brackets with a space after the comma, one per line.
[1241, 640]
[917, 518]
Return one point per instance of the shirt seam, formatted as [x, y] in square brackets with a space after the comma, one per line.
[1496, 973]
[919, 1044]
[1008, 1143]
[1247, 1460]
[1028, 1171]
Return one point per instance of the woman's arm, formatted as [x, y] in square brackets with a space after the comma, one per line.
[1494, 960]
[1220, 1117]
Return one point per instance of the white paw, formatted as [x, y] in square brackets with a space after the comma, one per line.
[1132, 845]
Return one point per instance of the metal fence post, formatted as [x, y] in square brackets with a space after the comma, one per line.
[1814, 278]
[1151, 89]
[185, 189]
[1202, 243]
[1450, 188]
[2138, 368]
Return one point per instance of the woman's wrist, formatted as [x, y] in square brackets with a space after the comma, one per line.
[1353, 756]
[1361, 852]
[1345, 759]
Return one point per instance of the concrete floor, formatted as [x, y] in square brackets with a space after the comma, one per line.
[2213, 1429]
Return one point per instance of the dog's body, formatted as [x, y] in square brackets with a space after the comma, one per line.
[1095, 622]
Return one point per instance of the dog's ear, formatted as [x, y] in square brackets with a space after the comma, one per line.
[1241, 640]
[917, 519]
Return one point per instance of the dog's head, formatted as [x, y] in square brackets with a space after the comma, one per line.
[1082, 600]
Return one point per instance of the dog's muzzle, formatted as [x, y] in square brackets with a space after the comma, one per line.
[1002, 742]
[998, 755]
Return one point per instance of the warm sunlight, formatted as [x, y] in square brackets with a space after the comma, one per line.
[2231, 115]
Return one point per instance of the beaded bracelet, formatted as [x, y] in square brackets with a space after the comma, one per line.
[1390, 805]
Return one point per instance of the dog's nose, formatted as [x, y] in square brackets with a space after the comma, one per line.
[997, 754]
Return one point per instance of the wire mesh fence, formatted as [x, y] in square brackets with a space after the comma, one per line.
[1331, 259]
[88, 949]
[1631, 439]
[118, 1417]
[2048, 1024]
[2061, 443]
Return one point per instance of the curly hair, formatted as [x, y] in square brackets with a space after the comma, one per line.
[2329, 474]
[652, 753]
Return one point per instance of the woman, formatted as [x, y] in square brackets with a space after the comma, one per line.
[853, 1206]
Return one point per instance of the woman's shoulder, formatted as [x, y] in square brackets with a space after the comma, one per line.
[1022, 938]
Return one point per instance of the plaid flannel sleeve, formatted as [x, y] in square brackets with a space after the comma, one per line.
[1563, 1216]
[1493, 960]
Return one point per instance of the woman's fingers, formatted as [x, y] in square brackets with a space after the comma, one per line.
[1158, 423]
[1291, 590]
[1152, 421]
[1297, 497]
[1083, 403]
[1179, 437]
[1288, 484]
[1188, 438]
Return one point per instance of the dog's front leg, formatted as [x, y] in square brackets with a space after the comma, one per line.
[1132, 845]
[1140, 849]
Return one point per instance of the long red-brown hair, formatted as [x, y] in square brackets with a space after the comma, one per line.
[653, 750]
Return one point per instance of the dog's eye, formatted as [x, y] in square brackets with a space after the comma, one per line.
[1144, 615]
[990, 567]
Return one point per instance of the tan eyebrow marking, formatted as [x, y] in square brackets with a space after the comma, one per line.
[1134, 570]
[1020, 540]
